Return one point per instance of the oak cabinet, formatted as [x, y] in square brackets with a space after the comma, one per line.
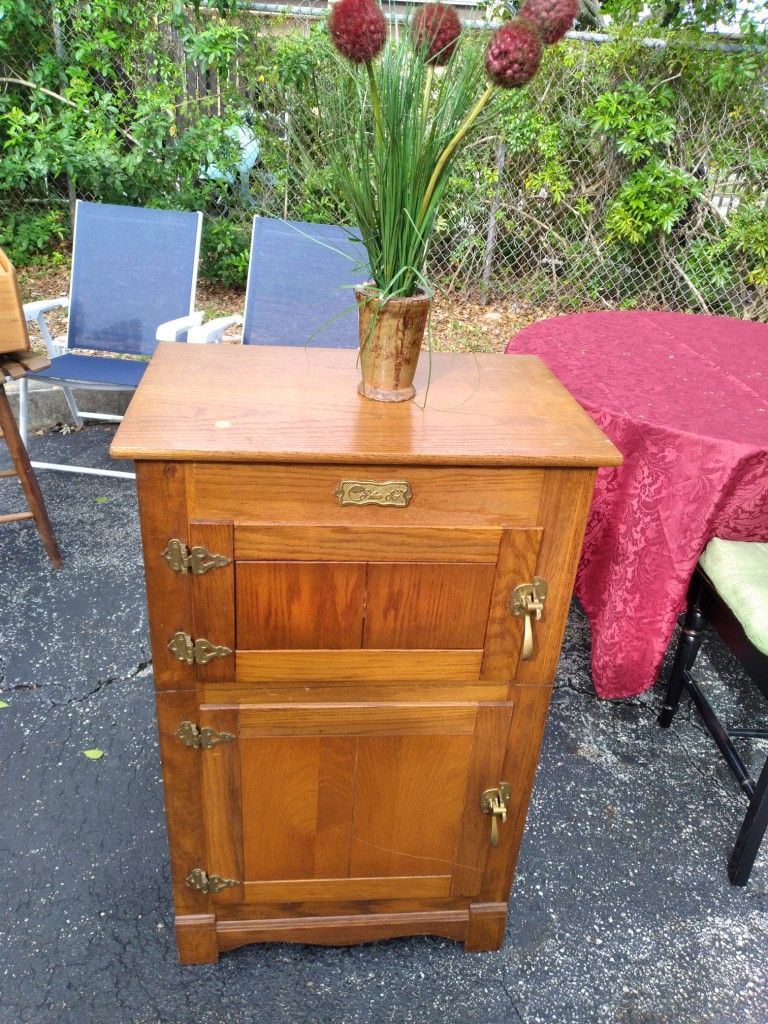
[356, 612]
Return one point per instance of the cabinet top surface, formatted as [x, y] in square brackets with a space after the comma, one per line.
[233, 403]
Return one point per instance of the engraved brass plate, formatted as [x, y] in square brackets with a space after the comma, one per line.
[395, 493]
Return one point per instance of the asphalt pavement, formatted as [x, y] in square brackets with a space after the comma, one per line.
[621, 911]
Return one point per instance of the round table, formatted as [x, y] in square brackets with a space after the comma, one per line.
[685, 399]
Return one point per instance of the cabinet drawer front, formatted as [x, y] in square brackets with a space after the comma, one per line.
[345, 620]
[307, 495]
[372, 605]
[351, 801]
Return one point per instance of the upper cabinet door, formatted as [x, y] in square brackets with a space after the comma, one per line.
[357, 603]
[352, 801]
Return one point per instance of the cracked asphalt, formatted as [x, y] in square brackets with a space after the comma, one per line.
[621, 912]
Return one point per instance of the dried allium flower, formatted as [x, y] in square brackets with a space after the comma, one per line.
[358, 29]
[553, 17]
[438, 27]
[514, 53]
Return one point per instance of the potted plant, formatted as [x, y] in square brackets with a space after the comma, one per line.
[408, 100]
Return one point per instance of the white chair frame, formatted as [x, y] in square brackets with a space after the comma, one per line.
[34, 312]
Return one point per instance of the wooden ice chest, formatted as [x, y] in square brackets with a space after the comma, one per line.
[350, 718]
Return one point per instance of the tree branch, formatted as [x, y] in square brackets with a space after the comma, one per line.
[62, 99]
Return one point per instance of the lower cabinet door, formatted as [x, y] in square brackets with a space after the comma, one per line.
[320, 802]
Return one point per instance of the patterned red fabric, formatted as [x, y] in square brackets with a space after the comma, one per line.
[685, 400]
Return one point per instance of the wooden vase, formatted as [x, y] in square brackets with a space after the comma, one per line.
[391, 334]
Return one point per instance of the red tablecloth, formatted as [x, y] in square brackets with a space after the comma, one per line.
[685, 399]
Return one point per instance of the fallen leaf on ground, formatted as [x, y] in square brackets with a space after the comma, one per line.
[4, 704]
[94, 754]
[102, 500]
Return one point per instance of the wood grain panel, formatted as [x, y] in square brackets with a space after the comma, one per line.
[305, 496]
[409, 799]
[335, 805]
[299, 405]
[222, 803]
[13, 327]
[362, 888]
[299, 605]
[163, 515]
[183, 798]
[427, 605]
[280, 803]
[343, 930]
[487, 923]
[213, 597]
[357, 666]
[565, 505]
[196, 939]
[356, 719]
[382, 543]
[340, 693]
[519, 769]
[518, 555]
[486, 771]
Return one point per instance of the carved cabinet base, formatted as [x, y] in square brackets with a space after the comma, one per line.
[356, 614]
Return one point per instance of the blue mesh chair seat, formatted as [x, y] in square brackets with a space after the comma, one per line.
[134, 273]
[78, 369]
[300, 286]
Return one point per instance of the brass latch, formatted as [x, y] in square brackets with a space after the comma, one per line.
[199, 652]
[496, 803]
[527, 602]
[201, 739]
[195, 560]
[198, 879]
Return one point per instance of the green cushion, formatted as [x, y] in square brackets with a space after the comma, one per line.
[739, 572]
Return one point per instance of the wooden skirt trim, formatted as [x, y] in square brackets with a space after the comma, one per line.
[343, 931]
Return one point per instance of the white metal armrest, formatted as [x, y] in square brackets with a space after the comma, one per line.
[32, 310]
[36, 311]
[212, 331]
[171, 329]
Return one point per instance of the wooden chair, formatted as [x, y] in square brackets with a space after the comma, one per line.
[729, 591]
[17, 359]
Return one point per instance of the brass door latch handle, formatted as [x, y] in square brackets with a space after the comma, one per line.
[496, 803]
[527, 603]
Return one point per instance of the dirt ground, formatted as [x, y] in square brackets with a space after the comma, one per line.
[457, 325]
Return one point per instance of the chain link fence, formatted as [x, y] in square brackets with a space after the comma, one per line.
[628, 174]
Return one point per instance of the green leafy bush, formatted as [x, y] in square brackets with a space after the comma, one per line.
[224, 252]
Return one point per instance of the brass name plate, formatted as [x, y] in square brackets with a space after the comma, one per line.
[396, 493]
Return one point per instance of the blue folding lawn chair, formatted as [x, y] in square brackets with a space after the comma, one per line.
[299, 292]
[134, 273]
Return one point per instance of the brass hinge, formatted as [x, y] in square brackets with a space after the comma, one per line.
[496, 803]
[527, 602]
[199, 652]
[201, 739]
[195, 560]
[198, 879]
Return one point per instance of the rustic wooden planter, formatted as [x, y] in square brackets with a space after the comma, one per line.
[391, 335]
